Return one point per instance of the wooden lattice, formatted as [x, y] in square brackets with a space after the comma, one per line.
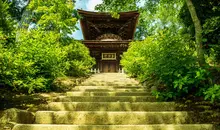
[109, 36]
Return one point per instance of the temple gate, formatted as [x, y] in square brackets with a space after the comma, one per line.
[107, 37]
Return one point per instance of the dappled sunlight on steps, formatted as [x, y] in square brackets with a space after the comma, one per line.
[112, 101]
[115, 127]
[110, 79]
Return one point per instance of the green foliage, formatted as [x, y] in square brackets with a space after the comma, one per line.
[208, 14]
[213, 93]
[17, 8]
[38, 58]
[79, 59]
[6, 23]
[166, 58]
[2, 38]
[117, 5]
[211, 36]
[33, 63]
[53, 15]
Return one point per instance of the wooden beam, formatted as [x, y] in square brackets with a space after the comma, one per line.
[94, 26]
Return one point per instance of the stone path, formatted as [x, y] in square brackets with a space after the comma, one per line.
[112, 101]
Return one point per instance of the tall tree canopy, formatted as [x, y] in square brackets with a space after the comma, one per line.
[208, 13]
[7, 23]
[17, 8]
[198, 32]
[53, 15]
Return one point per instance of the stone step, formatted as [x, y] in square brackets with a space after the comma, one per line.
[108, 93]
[117, 84]
[115, 79]
[105, 99]
[107, 87]
[115, 127]
[111, 90]
[112, 106]
[112, 118]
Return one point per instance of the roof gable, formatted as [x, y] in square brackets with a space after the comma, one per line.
[95, 24]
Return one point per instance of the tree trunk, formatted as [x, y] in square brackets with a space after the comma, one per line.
[198, 32]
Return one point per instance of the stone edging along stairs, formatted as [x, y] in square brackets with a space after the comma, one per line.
[112, 102]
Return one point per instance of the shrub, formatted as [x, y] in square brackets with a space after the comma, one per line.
[38, 58]
[44, 52]
[213, 93]
[79, 59]
[33, 62]
[168, 60]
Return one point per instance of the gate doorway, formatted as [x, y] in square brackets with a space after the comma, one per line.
[109, 67]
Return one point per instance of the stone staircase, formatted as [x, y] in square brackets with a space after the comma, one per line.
[112, 101]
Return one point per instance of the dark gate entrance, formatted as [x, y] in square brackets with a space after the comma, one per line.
[109, 67]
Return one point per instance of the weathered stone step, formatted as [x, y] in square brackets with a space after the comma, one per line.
[112, 118]
[108, 93]
[111, 90]
[113, 79]
[112, 106]
[102, 83]
[115, 127]
[107, 87]
[105, 99]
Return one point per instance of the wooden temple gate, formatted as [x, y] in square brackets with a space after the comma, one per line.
[107, 38]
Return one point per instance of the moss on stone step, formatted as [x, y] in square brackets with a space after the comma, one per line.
[110, 90]
[108, 94]
[112, 118]
[112, 106]
[116, 127]
[105, 99]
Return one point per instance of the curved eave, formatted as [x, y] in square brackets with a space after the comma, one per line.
[105, 14]
[96, 41]
[95, 45]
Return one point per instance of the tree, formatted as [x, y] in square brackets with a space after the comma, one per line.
[17, 8]
[198, 32]
[6, 22]
[208, 14]
[53, 15]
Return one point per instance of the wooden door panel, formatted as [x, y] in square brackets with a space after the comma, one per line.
[109, 67]
[112, 67]
[105, 67]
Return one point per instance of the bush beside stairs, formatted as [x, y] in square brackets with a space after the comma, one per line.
[112, 101]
